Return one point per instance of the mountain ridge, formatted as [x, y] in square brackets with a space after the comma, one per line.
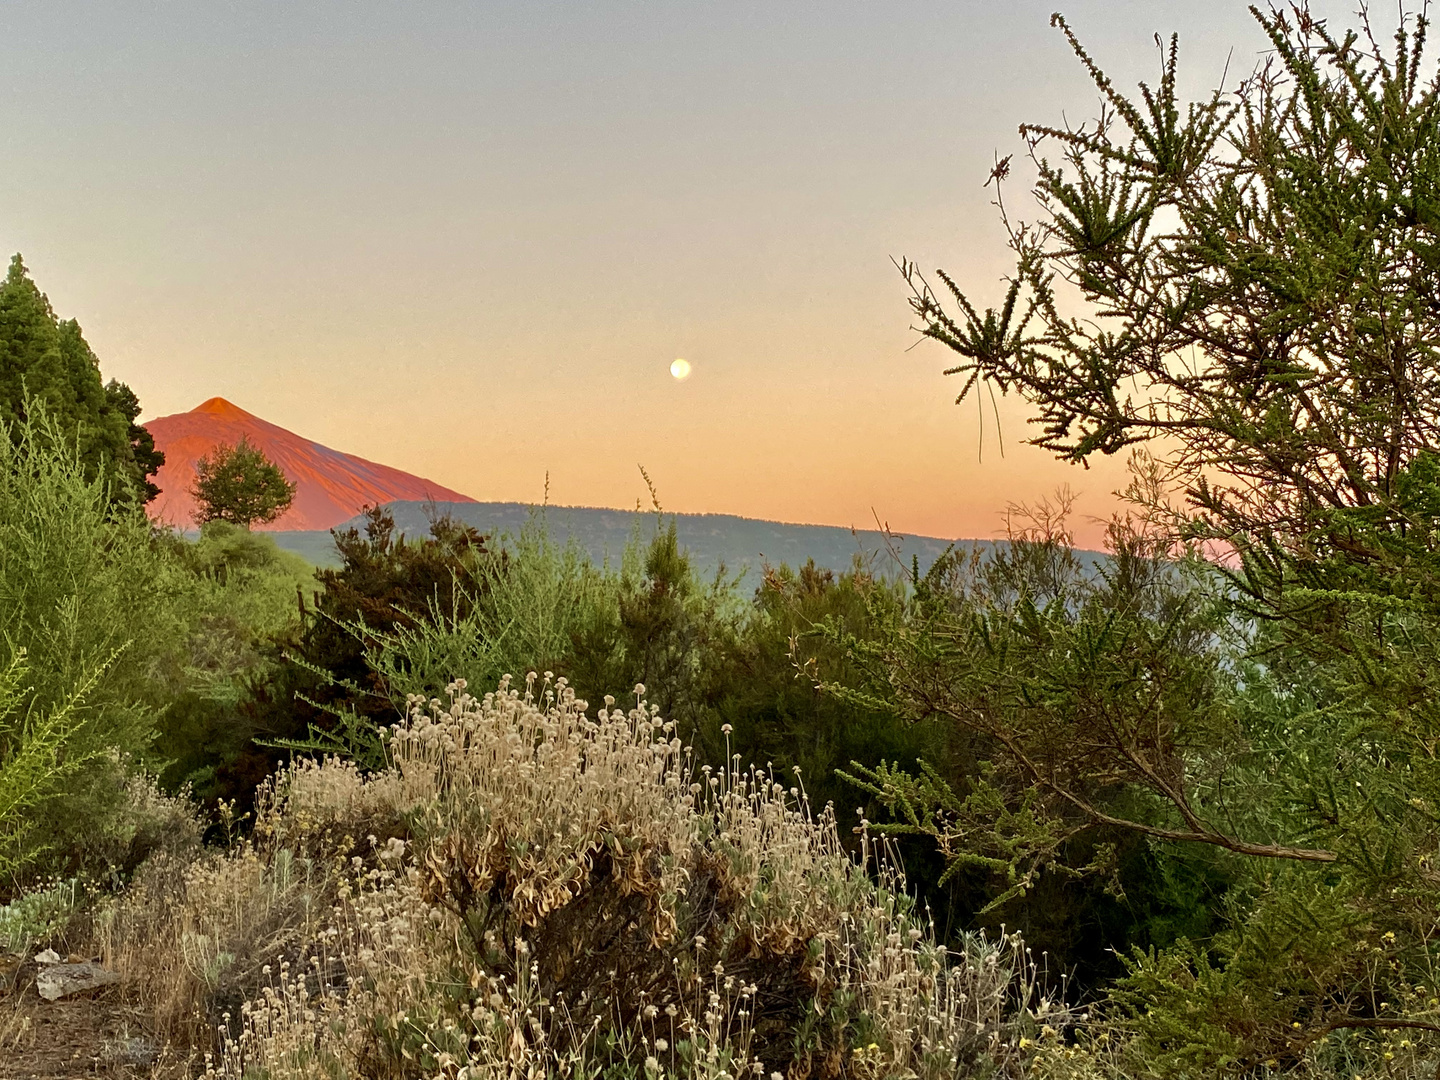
[742, 545]
[331, 485]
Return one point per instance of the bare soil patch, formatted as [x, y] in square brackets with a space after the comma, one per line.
[86, 1036]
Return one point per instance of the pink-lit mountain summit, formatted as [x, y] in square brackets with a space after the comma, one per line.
[331, 486]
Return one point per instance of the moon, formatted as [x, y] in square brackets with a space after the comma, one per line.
[680, 369]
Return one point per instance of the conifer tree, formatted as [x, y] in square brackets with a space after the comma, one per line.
[46, 361]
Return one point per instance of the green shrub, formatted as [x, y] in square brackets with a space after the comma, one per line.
[319, 690]
[520, 609]
[737, 679]
[34, 916]
[92, 608]
[243, 593]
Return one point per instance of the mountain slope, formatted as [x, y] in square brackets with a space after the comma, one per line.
[740, 544]
[331, 486]
[743, 546]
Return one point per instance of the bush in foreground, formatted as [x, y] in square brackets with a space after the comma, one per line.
[533, 890]
[90, 608]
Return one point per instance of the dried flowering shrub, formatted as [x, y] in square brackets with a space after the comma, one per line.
[557, 892]
[196, 938]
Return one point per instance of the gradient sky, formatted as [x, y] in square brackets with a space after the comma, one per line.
[468, 239]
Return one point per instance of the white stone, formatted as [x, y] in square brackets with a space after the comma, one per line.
[56, 981]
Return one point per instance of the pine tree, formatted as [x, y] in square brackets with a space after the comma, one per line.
[47, 362]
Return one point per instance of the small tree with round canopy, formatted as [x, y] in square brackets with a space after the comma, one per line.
[240, 485]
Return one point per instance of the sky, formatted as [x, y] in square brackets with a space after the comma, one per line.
[468, 239]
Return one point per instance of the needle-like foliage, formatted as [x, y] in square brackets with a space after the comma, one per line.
[1244, 292]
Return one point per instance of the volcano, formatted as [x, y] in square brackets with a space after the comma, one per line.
[331, 487]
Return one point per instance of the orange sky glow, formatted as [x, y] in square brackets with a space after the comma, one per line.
[468, 239]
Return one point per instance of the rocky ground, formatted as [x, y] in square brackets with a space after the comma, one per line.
[85, 1033]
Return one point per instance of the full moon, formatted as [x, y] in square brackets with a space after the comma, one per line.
[680, 369]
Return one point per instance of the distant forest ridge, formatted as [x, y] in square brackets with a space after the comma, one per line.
[743, 545]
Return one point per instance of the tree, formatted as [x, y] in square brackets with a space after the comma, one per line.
[1241, 291]
[325, 692]
[47, 362]
[239, 484]
[1244, 287]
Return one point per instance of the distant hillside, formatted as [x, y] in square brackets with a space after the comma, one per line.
[331, 486]
[741, 544]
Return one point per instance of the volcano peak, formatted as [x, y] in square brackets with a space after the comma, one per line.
[218, 406]
[331, 486]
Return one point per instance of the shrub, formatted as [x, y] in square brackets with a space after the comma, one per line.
[244, 593]
[35, 916]
[95, 607]
[320, 691]
[519, 607]
[1239, 288]
[728, 679]
[197, 936]
[532, 889]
